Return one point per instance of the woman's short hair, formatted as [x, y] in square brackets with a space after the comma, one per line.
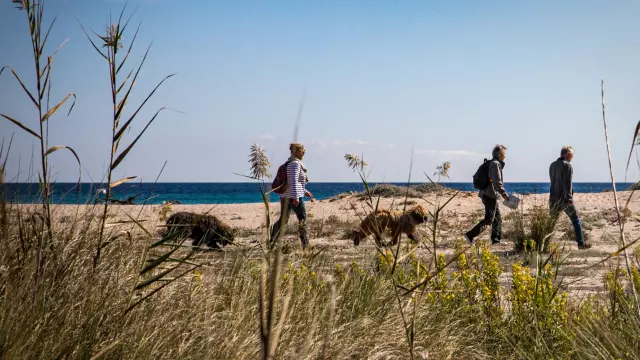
[497, 150]
[294, 147]
[566, 150]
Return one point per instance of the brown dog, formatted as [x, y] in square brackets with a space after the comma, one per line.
[398, 222]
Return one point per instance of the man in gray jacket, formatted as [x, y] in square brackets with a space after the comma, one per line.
[561, 193]
[490, 196]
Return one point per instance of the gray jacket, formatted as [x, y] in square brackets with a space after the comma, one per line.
[496, 188]
[560, 176]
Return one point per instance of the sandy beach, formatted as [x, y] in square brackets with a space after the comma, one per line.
[330, 221]
[350, 208]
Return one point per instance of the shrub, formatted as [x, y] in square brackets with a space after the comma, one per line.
[535, 226]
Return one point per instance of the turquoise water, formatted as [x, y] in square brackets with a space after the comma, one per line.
[230, 193]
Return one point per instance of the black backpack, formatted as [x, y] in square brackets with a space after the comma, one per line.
[481, 178]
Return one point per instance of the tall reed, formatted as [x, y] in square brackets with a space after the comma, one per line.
[617, 207]
[4, 214]
[269, 323]
[112, 40]
[43, 65]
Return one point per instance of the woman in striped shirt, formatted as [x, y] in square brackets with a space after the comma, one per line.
[293, 197]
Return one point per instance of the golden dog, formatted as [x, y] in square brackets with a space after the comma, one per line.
[398, 222]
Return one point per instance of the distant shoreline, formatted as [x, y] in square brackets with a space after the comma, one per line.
[249, 192]
[337, 199]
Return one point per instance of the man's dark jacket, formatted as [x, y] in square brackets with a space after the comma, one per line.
[560, 176]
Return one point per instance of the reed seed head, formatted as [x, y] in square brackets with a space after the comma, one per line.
[354, 162]
[443, 169]
[259, 162]
[113, 37]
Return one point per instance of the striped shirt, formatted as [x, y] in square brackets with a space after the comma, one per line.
[296, 180]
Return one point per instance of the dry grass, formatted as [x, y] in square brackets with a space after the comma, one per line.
[325, 227]
[212, 312]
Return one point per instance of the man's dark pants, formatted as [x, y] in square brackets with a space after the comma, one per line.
[555, 207]
[491, 217]
[286, 205]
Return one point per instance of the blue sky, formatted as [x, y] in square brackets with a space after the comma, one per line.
[449, 79]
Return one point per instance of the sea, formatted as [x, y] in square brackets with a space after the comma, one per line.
[237, 192]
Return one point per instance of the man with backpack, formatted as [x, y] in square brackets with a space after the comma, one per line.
[561, 193]
[488, 180]
[290, 183]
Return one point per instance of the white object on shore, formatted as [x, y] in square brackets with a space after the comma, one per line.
[513, 202]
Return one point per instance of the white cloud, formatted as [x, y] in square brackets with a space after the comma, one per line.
[349, 142]
[451, 153]
[267, 137]
[337, 142]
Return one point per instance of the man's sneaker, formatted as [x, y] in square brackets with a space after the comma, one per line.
[469, 240]
[584, 246]
[493, 242]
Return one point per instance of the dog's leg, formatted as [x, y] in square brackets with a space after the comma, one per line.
[395, 238]
[213, 244]
[173, 231]
[378, 238]
[216, 239]
[197, 235]
[357, 237]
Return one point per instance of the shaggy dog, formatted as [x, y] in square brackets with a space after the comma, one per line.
[398, 222]
[200, 228]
